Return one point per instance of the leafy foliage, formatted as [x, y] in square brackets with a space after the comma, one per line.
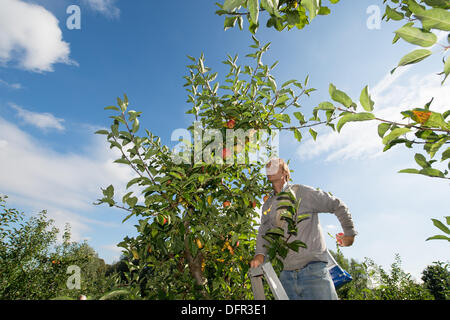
[372, 282]
[282, 13]
[34, 266]
[279, 244]
[441, 226]
[436, 278]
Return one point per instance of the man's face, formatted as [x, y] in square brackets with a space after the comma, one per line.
[274, 170]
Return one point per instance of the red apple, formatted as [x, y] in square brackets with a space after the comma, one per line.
[231, 123]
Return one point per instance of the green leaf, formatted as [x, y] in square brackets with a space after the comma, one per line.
[421, 160]
[435, 18]
[112, 108]
[272, 83]
[230, 22]
[135, 127]
[392, 14]
[302, 217]
[284, 194]
[285, 204]
[268, 6]
[395, 134]
[277, 231]
[293, 17]
[349, 117]
[253, 8]
[298, 135]
[340, 96]
[312, 6]
[438, 3]
[414, 7]
[438, 237]
[128, 217]
[109, 191]
[446, 69]
[229, 5]
[441, 226]
[133, 181]
[102, 132]
[122, 161]
[409, 171]
[288, 83]
[121, 104]
[436, 120]
[296, 244]
[436, 146]
[313, 133]
[281, 99]
[413, 57]
[365, 100]
[300, 117]
[325, 106]
[417, 36]
[132, 201]
[446, 154]
[324, 11]
[382, 128]
[432, 172]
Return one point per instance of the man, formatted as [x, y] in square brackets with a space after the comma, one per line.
[305, 276]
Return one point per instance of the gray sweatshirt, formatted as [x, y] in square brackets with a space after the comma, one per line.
[309, 231]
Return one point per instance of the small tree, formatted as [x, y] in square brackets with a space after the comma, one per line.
[396, 284]
[198, 221]
[436, 278]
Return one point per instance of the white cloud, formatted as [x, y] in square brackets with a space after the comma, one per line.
[15, 86]
[30, 37]
[41, 120]
[66, 184]
[105, 7]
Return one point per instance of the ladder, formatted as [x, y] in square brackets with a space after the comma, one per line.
[266, 270]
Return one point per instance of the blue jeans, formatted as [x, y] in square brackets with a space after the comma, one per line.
[313, 282]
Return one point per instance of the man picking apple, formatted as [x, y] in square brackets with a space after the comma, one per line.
[305, 275]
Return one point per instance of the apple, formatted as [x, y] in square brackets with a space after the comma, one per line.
[226, 204]
[231, 123]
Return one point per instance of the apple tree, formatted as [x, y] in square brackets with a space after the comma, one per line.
[197, 208]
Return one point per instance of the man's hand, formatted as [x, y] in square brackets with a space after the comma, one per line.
[344, 241]
[257, 260]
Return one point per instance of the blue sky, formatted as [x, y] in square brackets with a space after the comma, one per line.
[55, 82]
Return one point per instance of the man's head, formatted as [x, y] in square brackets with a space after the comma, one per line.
[277, 169]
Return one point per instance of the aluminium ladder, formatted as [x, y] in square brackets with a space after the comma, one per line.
[275, 285]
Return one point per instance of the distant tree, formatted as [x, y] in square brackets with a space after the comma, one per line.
[372, 282]
[396, 284]
[34, 266]
[436, 278]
